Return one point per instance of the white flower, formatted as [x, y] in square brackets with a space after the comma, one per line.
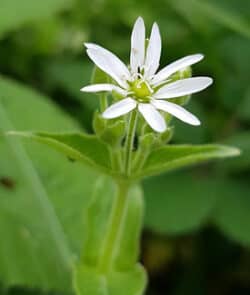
[140, 85]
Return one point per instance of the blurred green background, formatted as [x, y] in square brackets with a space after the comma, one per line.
[197, 224]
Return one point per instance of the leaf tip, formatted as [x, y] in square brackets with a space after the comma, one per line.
[230, 151]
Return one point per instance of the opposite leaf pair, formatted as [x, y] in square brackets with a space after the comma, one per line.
[89, 150]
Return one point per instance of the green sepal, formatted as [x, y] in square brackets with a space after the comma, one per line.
[183, 100]
[147, 143]
[163, 138]
[99, 124]
[166, 136]
[145, 128]
[155, 140]
[116, 96]
[114, 133]
[109, 131]
[147, 140]
[182, 74]
[98, 76]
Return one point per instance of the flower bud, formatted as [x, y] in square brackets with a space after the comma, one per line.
[147, 140]
[111, 132]
[166, 136]
[99, 124]
[114, 133]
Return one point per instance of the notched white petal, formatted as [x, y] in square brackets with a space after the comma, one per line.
[103, 87]
[119, 108]
[109, 63]
[153, 54]
[153, 117]
[176, 66]
[183, 87]
[177, 111]
[137, 53]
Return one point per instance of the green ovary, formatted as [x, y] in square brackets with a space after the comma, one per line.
[141, 90]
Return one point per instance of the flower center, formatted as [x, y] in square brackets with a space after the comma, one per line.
[141, 90]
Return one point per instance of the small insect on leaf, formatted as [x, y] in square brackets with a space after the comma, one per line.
[7, 182]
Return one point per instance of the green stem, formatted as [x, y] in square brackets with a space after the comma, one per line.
[140, 159]
[116, 159]
[130, 142]
[103, 102]
[116, 221]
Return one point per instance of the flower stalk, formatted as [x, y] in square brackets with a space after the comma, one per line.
[129, 143]
[103, 102]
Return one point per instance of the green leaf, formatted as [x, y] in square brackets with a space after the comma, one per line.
[242, 163]
[28, 11]
[89, 150]
[179, 203]
[172, 157]
[233, 210]
[76, 146]
[88, 282]
[42, 195]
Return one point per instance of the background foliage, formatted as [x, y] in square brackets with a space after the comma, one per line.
[197, 223]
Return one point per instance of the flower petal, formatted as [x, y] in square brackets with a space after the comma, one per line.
[153, 52]
[137, 53]
[109, 63]
[153, 117]
[119, 108]
[177, 111]
[103, 87]
[176, 66]
[183, 87]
